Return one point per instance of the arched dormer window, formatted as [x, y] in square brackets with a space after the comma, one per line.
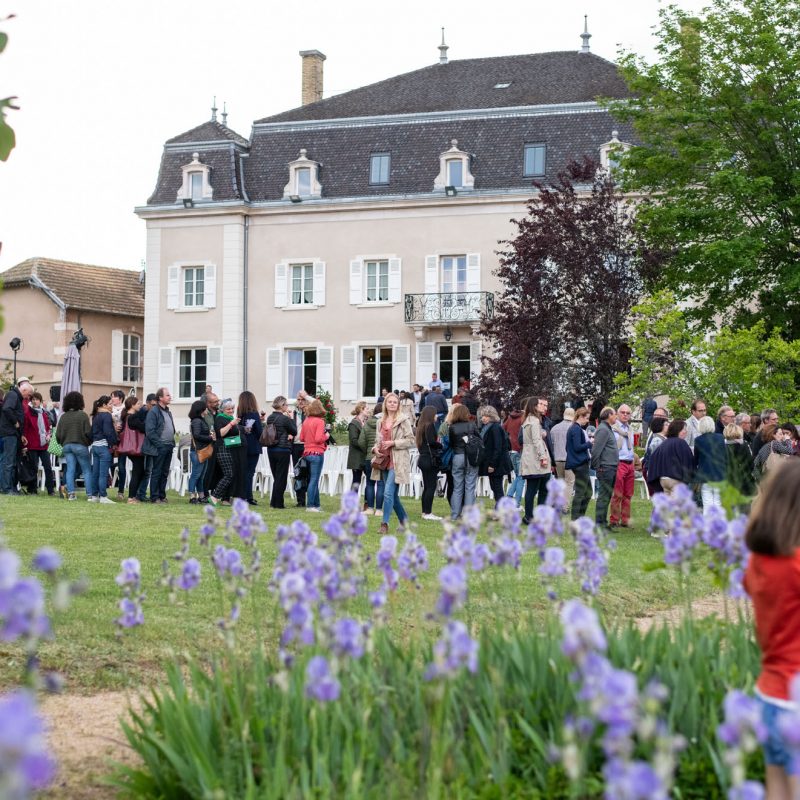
[454, 171]
[303, 179]
[196, 184]
[611, 151]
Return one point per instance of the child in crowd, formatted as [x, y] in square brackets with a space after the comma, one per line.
[773, 582]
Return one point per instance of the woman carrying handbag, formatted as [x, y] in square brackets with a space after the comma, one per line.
[201, 451]
[130, 445]
[430, 459]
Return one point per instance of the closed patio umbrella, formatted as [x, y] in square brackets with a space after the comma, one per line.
[71, 379]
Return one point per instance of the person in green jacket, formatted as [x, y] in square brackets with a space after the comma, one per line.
[373, 494]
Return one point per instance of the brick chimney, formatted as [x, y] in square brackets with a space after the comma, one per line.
[312, 75]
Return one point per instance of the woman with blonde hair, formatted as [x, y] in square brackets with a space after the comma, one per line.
[355, 455]
[315, 441]
[392, 459]
[534, 464]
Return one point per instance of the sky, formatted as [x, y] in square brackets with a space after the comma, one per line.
[101, 84]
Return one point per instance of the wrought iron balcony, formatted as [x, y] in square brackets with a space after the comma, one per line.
[448, 308]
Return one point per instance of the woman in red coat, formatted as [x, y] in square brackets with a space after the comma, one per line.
[36, 431]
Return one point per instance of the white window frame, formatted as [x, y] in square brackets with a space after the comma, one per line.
[292, 188]
[284, 284]
[194, 382]
[378, 264]
[442, 180]
[306, 277]
[455, 267]
[195, 273]
[128, 377]
[378, 157]
[290, 393]
[610, 149]
[531, 146]
[361, 366]
[359, 280]
[187, 170]
[176, 286]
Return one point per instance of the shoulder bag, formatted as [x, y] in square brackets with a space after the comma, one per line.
[130, 443]
[204, 453]
[53, 447]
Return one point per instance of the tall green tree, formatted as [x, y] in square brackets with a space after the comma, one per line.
[718, 119]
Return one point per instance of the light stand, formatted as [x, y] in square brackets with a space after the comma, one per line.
[15, 345]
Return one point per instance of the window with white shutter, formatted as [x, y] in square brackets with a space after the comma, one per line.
[274, 373]
[401, 375]
[348, 379]
[325, 369]
[425, 362]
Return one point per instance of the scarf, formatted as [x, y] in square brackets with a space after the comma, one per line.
[40, 422]
[623, 436]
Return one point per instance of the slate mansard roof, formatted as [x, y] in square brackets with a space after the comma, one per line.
[550, 99]
[84, 287]
[535, 79]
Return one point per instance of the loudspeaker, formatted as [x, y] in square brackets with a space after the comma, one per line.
[55, 394]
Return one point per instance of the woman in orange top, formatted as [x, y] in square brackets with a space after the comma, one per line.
[773, 583]
[315, 440]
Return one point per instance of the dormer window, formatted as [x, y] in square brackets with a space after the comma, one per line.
[611, 151]
[535, 159]
[379, 164]
[303, 179]
[502, 85]
[454, 171]
[196, 183]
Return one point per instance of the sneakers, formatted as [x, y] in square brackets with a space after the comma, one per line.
[432, 517]
[120, 495]
[107, 501]
[384, 528]
[92, 499]
[72, 496]
[132, 501]
[314, 509]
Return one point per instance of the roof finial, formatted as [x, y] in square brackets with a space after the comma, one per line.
[214, 110]
[443, 48]
[585, 35]
[225, 113]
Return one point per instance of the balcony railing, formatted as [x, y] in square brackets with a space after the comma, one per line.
[448, 307]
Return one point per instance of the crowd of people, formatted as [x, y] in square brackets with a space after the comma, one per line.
[456, 442]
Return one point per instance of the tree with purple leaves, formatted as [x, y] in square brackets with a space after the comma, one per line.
[570, 278]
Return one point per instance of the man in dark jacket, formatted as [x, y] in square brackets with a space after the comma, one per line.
[436, 399]
[159, 442]
[605, 459]
[12, 417]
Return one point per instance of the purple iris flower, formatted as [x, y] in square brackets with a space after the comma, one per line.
[749, 790]
[413, 559]
[455, 651]
[132, 614]
[557, 494]
[190, 577]
[22, 611]
[246, 522]
[131, 574]
[452, 589]
[47, 560]
[553, 562]
[582, 631]
[321, 684]
[25, 764]
[348, 638]
[742, 720]
[632, 780]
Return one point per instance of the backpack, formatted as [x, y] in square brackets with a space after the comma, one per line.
[269, 436]
[446, 457]
[473, 447]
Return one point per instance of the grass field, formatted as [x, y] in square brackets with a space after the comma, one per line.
[93, 539]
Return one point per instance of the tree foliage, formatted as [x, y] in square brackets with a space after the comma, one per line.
[7, 139]
[747, 368]
[569, 278]
[718, 117]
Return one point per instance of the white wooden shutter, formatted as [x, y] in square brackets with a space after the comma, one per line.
[116, 357]
[165, 374]
[425, 362]
[475, 360]
[356, 282]
[173, 287]
[210, 287]
[281, 280]
[214, 370]
[473, 272]
[319, 285]
[431, 274]
[274, 373]
[394, 280]
[325, 368]
[348, 385]
[401, 368]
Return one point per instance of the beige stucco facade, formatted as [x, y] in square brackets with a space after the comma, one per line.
[46, 329]
[259, 245]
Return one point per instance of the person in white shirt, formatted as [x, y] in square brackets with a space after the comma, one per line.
[693, 423]
[435, 382]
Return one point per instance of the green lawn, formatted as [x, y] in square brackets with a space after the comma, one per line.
[94, 538]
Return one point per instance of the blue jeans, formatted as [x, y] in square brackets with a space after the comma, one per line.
[8, 465]
[392, 499]
[314, 471]
[516, 487]
[101, 464]
[78, 455]
[197, 474]
[465, 478]
[369, 491]
[776, 749]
